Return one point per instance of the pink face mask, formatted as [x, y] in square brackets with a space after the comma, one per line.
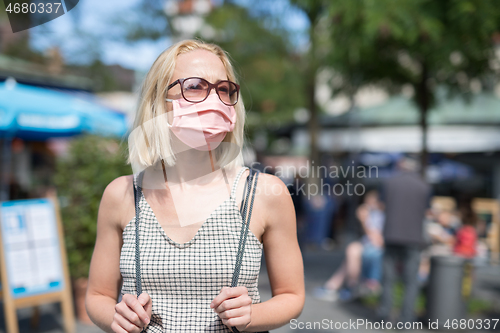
[203, 125]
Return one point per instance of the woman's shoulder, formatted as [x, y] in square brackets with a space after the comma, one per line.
[117, 197]
[274, 204]
[272, 191]
[118, 187]
[268, 181]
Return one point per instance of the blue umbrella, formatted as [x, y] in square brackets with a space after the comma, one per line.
[34, 113]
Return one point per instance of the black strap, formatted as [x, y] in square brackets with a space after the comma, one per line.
[251, 182]
[137, 190]
[250, 186]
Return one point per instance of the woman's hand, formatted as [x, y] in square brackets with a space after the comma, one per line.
[234, 307]
[132, 314]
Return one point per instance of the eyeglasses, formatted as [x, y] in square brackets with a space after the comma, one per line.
[196, 90]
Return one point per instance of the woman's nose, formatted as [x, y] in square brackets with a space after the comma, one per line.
[213, 91]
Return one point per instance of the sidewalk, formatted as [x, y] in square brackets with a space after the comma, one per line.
[50, 321]
[318, 267]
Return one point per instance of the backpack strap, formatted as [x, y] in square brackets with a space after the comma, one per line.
[137, 198]
[247, 207]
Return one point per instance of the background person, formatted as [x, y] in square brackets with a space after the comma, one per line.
[406, 197]
[466, 236]
[372, 217]
[441, 230]
[363, 258]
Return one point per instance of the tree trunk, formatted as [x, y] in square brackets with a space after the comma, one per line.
[423, 96]
[314, 128]
[313, 125]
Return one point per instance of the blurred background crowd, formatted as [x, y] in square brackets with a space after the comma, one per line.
[355, 93]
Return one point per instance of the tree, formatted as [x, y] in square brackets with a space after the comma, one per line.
[81, 177]
[421, 43]
[264, 59]
[312, 61]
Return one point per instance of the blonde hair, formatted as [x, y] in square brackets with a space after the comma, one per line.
[150, 141]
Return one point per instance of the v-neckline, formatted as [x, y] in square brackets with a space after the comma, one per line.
[192, 240]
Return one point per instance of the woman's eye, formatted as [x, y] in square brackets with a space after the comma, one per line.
[194, 87]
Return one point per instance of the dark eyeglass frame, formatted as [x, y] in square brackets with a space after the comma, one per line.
[210, 86]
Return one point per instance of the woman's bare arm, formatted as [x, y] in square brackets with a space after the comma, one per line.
[104, 276]
[283, 257]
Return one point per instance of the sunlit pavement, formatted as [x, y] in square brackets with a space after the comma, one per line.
[50, 321]
[318, 267]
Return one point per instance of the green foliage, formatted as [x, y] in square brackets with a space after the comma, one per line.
[268, 69]
[145, 20]
[81, 177]
[266, 65]
[103, 78]
[373, 301]
[392, 43]
[423, 43]
[21, 49]
[476, 306]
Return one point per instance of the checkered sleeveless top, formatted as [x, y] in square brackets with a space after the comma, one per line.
[183, 279]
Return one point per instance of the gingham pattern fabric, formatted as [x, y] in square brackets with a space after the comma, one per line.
[183, 279]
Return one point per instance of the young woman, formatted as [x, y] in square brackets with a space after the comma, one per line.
[190, 183]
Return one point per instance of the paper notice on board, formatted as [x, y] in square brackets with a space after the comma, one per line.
[31, 246]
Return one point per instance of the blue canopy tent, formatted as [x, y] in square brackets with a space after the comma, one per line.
[37, 114]
[34, 113]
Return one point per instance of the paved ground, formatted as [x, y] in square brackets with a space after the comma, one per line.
[318, 266]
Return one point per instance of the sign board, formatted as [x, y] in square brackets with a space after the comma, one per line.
[31, 247]
[33, 258]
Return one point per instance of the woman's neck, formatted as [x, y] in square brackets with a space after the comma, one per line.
[192, 164]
